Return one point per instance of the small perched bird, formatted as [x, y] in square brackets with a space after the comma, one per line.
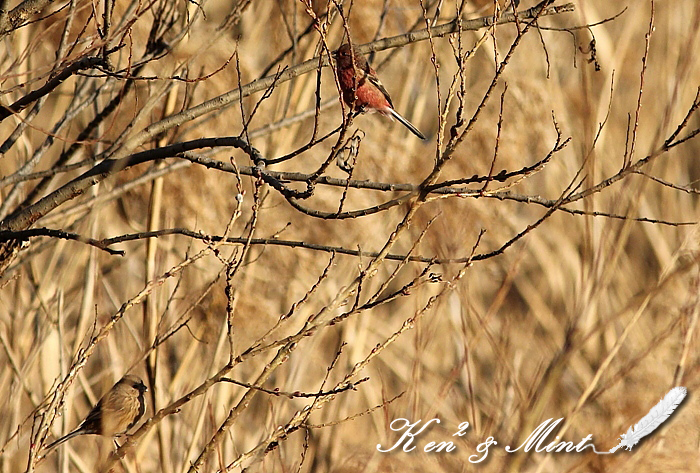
[362, 89]
[115, 413]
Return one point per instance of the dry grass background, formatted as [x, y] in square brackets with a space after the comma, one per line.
[588, 318]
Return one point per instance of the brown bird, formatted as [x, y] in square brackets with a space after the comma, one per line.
[362, 89]
[115, 413]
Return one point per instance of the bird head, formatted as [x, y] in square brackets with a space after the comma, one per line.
[135, 382]
[345, 55]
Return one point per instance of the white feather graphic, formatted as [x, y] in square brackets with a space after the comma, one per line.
[655, 418]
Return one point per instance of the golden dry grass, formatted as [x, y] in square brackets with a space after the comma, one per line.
[592, 319]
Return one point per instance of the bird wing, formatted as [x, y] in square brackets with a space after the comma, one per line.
[372, 76]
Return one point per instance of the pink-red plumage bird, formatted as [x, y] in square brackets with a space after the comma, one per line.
[362, 89]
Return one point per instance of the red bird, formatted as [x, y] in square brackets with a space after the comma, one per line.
[362, 89]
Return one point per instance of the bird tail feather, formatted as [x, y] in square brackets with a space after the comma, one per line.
[407, 124]
[69, 436]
